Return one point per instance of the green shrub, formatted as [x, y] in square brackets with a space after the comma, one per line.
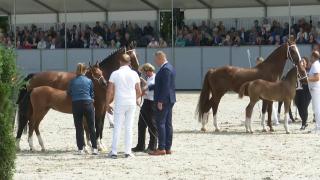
[8, 87]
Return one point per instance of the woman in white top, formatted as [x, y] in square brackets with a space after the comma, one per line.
[146, 117]
[314, 86]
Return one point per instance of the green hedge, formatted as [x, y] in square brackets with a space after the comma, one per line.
[8, 86]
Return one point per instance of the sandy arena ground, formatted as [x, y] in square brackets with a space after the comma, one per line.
[230, 154]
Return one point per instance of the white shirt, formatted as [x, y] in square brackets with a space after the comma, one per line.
[315, 69]
[125, 81]
[149, 93]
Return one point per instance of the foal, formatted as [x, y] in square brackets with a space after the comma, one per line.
[44, 98]
[284, 90]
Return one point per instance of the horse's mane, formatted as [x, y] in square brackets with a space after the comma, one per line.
[115, 53]
[271, 56]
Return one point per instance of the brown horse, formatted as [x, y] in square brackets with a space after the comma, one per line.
[60, 80]
[44, 98]
[283, 91]
[228, 78]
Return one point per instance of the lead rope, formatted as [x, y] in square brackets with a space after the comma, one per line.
[141, 115]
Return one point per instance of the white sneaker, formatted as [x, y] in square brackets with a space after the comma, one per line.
[112, 156]
[81, 152]
[95, 152]
[129, 155]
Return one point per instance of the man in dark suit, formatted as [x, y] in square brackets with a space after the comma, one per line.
[164, 97]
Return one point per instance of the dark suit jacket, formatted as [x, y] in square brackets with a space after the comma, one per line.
[164, 88]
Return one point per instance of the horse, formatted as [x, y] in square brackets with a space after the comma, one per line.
[218, 81]
[283, 91]
[60, 80]
[44, 98]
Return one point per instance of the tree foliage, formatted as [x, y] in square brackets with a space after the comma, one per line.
[8, 85]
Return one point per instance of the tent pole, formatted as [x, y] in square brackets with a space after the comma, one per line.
[15, 23]
[289, 19]
[172, 34]
[65, 34]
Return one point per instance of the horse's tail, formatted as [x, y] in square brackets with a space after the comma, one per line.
[243, 89]
[203, 103]
[23, 102]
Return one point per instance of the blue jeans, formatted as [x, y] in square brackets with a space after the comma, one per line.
[164, 125]
[80, 109]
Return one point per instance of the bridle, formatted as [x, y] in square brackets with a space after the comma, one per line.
[98, 79]
[292, 61]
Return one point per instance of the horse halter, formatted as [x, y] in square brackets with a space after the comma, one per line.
[99, 78]
[299, 75]
[289, 56]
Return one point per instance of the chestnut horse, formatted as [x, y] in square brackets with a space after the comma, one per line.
[44, 98]
[283, 91]
[60, 80]
[218, 81]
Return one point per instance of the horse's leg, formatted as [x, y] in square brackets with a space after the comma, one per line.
[269, 107]
[101, 130]
[205, 119]
[286, 116]
[30, 135]
[215, 104]
[263, 116]
[249, 109]
[39, 136]
[21, 125]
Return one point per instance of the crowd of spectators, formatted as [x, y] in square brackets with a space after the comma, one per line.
[99, 36]
[261, 33]
[116, 35]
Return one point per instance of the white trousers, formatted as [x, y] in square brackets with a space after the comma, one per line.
[315, 94]
[123, 114]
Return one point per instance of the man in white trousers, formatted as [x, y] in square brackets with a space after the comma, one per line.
[124, 86]
[314, 87]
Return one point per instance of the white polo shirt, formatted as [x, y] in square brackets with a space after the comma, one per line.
[315, 69]
[150, 93]
[125, 80]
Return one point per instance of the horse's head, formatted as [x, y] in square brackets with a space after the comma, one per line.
[133, 59]
[293, 53]
[95, 74]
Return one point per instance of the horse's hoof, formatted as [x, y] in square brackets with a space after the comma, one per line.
[43, 150]
[247, 131]
[251, 132]
[264, 130]
[217, 130]
[203, 129]
[272, 130]
[287, 132]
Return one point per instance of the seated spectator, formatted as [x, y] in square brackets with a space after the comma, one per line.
[148, 30]
[277, 40]
[301, 38]
[34, 44]
[226, 40]
[180, 41]
[153, 43]
[77, 43]
[112, 44]
[312, 39]
[266, 25]
[42, 44]
[126, 40]
[98, 29]
[26, 44]
[162, 43]
[52, 44]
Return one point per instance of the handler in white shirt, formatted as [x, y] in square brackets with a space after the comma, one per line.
[314, 86]
[124, 85]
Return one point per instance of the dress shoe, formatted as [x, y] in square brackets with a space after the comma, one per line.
[168, 152]
[158, 153]
[137, 149]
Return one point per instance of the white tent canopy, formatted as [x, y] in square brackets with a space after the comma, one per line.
[57, 6]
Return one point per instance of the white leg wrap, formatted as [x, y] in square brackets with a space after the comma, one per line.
[41, 142]
[215, 122]
[286, 119]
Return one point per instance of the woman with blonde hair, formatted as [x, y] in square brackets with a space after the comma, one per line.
[81, 92]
